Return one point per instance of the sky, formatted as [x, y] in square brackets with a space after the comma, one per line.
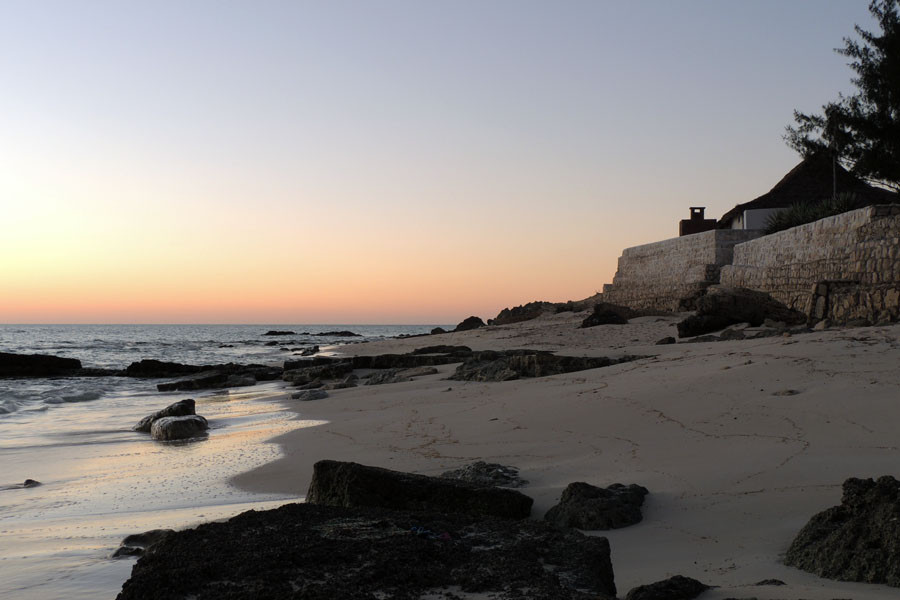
[379, 161]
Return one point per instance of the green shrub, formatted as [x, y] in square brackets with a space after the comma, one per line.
[807, 212]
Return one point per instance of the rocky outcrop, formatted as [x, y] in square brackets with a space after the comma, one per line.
[469, 323]
[178, 409]
[398, 375]
[307, 374]
[178, 428]
[723, 306]
[36, 365]
[438, 330]
[309, 351]
[589, 507]
[859, 540]
[513, 364]
[606, 313]
[353, 485]
[309, 395]
[337, 334]
[489, 474]
[207, 380]
[673, 588]
[313, 551]
[525, 312]
[157, 368]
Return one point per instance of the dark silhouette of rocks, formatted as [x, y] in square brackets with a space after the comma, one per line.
[30, 483]
[333, 369]
[160, 369]
[859, 540]
[723, 306]
[673, 588]
[491, 474]
[178, 409]
[323, 552]
[36, 365]
[606, 313]
[201, 377]
[309, 351]
[590, 507]
[398, 375]
[278, 332]
[438, 330]
[309, 395]
[444, 349]
[178, 428]
[337, 334]
[525, 312]
[513, 364]
[353, 485]
[666, 340]
[469, 323]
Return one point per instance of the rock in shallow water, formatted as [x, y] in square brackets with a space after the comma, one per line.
[36, 365]
[859, 540]
[324, 552]
[178, 428]
[673, 588]
[178, 409]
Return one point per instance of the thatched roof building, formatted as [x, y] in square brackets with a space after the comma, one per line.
[811, 181]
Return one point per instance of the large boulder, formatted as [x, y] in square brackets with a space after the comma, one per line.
[352, 485]
[590, 507]
[721, 306]
[157, 368]
[606, 313]
[319, 552]
[178, 428]
[470, 323]
[859, 540]
[178, 409]
[678, 587]
[36, 365]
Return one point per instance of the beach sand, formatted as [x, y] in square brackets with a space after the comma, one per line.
[739, 442]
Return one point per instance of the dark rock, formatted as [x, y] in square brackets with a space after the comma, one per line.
[732, 334]
[404, 361]
[585, 506]
[770, 582]
[444, 349]
[325, 552]
[277, 332]
[352, 485]
[199, 381]
[722, 306]
[438, 330]
[36, 365]
[673, 588]
[337, 334]
[137, 543]
[666, 340]
[222, 376]
[695, 325]
[398, 375]
[178, 428]
[157, 368]
[312, 385]
[469, 323]
[349, 381]
[308, 395]
[309, 351]
[609, 314]
[290, 365]
[859, 540]
[30, 483]
[488, 474]
[331, 370]
[272, 343]
[178, 409]
[504, 366]
[525, 312]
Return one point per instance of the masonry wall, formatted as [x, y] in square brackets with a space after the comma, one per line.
[857, 254]
[660, 275]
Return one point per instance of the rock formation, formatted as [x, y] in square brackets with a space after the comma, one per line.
[589, 507]
[178, 428]
[178, 409]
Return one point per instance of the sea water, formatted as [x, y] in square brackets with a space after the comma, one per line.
[101, 481]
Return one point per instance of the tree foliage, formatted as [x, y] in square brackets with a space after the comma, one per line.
[862, 130]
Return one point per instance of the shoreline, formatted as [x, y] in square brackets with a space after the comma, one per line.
[739, 442]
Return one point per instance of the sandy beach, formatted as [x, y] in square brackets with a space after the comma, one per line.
[739, 442]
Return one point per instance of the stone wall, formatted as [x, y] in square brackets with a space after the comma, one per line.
[856, 255]
[660, 275]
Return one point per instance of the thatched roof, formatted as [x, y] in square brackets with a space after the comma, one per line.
[811, 181]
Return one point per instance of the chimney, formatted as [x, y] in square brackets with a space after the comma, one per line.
[697, 223]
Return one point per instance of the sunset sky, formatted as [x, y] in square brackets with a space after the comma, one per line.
[384, 161]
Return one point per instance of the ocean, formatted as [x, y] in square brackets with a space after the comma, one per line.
[101, 481]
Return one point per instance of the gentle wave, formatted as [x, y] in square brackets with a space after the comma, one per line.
[82, 397]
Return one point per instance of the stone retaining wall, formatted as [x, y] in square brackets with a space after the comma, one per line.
[660, 275]
[858, 252]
